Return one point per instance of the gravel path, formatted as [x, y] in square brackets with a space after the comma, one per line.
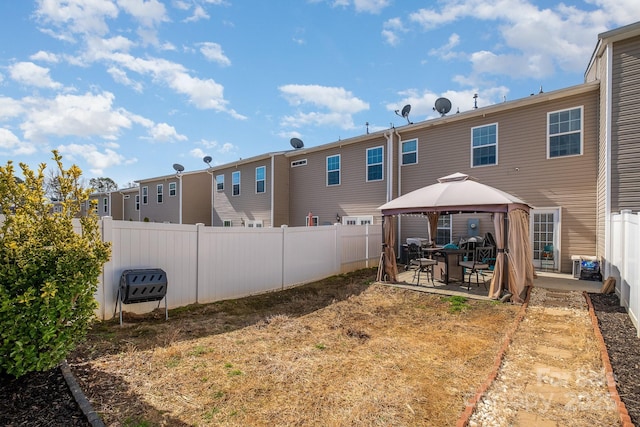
[552, 373]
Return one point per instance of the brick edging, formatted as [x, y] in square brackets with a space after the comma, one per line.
[465, 416]
[608, 369]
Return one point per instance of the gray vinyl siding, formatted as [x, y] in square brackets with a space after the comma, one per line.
[248, 205]
[602, 179]
[353, 197]
[523, 168]
[168, 210]
[130, 212]
[625, 122]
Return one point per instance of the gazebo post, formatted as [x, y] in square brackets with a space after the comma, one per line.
[505, 269]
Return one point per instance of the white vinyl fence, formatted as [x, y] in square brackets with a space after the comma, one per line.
[207, 264]
[624, 264]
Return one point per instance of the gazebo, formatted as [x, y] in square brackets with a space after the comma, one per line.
[460, 193]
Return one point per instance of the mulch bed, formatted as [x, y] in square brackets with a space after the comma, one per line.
[43, 398]
[623, 346]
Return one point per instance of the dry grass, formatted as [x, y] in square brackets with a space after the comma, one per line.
[337, 352]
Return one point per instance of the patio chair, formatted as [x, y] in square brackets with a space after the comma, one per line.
[422, 265]
[479, 265]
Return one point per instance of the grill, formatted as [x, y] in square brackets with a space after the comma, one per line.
[143, 285]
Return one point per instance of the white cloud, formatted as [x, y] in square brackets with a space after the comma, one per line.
[98, 161]
[78, 115]
[198, 13]
[340, 103]
[10, 108]
[43, 56]
[121, 77]
[148, 12]
[10, 143]
[391, 28]
[370, 6]
[30, 74]
[213, 52]
[446, 51]
[79, 16]
[163, 132]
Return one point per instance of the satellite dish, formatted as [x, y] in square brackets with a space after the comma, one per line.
[207, 160]
[405, 112]
[178, 167]
[296, 143]
[443, 106]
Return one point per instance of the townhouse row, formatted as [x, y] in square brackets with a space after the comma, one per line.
[572, 154]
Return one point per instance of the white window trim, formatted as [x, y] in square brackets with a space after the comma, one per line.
[105, 205]
[339, 170]
[496, 145]
[581, 107]
[316, 220]
[234, 173]
[173, 190]
[374, 164]
[227, 223]
[159, 193]
[402, 163]
[264, 180]
[256, 223]
[220, 182]
[145, 195]
[297, 163]
[357, 220]
[137, 202]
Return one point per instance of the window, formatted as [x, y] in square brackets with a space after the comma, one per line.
[137, 202]
[159, 193]
[565, 133]
[172, 189]
[227, 223]
[220, 183]
[484, 145]
[297, 163]
[260, 179]
[235, 182]
[333, 170]
[374, 163]
[410, 152]
[256, 223]
[314, 220]
[357, 220]
[443, 236]
[145, 195]
[105, 205]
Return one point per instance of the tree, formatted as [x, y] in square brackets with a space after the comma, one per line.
[48, 272]
[103, 184]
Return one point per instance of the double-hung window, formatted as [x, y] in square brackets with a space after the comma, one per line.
[484, 145]
[235, 182]
[220, 182]
[172, 189]
[375, 163]
[443, 235]
[410, 152]
[137, 202]
[105, 205]
[333, 170]
[145, 195]
[260, 179]
[564, 133]
[159, 192]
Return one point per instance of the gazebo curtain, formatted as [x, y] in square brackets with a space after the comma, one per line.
[495, 289]
[433, 226]
[390, 267]
[520, 262]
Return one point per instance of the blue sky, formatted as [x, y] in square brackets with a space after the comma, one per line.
[126, 88]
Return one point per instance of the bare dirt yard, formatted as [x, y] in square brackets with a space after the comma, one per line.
[342, 351]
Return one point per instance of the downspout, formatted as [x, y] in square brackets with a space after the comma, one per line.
[272, 192]
[399, 191]
[607, 202]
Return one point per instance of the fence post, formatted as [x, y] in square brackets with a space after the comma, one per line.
[283, 229]
[199, 230]
[107, 268]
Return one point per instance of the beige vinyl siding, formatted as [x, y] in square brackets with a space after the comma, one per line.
[625, 144]
[281, 190]
[249, 205]
[523, 168]
[353, 197]
[602, 179]
[196, 198]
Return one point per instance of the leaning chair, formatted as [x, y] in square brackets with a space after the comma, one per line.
[480, 264]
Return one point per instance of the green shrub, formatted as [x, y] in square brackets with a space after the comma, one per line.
[48, 272]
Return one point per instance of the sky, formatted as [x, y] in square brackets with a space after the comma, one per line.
[126, 88]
